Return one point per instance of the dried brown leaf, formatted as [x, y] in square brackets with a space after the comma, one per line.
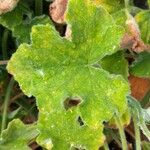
[139, 86]
[132, 40]
[7, 5]
[57, 10]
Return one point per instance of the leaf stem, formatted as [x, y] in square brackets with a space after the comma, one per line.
[146, 100]
[6, 102]
[38, 7]
[145, 130]
[137, 133]
[4, 44]
[121, 132]
[106, 147]
[126, 2]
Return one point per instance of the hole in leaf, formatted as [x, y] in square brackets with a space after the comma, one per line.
[75, 148]
[80, 121]
[105, 123]
[71, 102]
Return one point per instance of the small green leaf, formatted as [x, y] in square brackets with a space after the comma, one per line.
[143, 20]
[111, 5]
[141, 114]
[115, 64]
[17, 136]
[15, 17]
[22, 31]
[57, 71]
[141, 66]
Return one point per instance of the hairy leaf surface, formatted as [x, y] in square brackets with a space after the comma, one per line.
[17, 136]
[111, 6]
[141, 66]
[115, 64]
[15, 17]
[22, 31]
[74, 95]
[143, 20]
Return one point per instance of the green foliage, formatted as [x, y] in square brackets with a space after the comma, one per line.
[145, 145]
[80, 83]
[22, 31]
[111, 6]
[115, 64]
[15, 17]
[142, 115]
[120, 17]
[17, 136]
[143, 20]
[56, 70]
[141, 66]
[20, 26]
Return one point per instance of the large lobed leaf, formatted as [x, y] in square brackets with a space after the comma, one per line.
[142, 115]
[56, 71]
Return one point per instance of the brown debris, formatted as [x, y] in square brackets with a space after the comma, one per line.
[139, 87]
[132, 40]
[57, 10]
[7, 5]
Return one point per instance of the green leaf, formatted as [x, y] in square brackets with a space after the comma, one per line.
[120, 17]
[141, 114]
[145, 145]
[15, 17]
[58, 71]
[22, 31]
[111, 6]
[146, 114]
[143, 20]
[141, 66]
[116, 64]
[17, 136]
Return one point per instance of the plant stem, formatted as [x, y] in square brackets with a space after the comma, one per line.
[146, 100]
[38, 7]
[6, 102]
[126, 2]
[4, 44]
[137, 133]
[145, 130]
[106, 147]
[121, 132]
